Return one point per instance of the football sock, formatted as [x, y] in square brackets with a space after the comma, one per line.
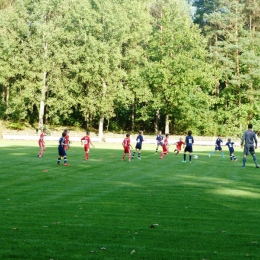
[255, 160]
[222, 154]
[156, 150]
[65, 159]
[231, 158]
[123, 157]
[190, 158]
[184, 157]
[244, 161]
[212, 152]
[139, 155]
[133, 154]
[58, 160]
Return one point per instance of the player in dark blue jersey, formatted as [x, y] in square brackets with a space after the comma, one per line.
[231, 150]
[159, 140]
[138, 146]
[61, 150]
[188, 146]
[218, 147]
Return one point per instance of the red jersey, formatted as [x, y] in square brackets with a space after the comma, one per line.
[86, 139]
[179, 144]
[126, 142]
[42, 137]
[165, 145]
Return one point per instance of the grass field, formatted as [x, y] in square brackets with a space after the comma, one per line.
[108, 209]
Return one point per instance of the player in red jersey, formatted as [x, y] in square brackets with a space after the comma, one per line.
[42, 143]
[126, 145]
[178, 146]
[87, 141]
[165, 146]
[67, 139]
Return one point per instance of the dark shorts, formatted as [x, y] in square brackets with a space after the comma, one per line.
[231, 151]
[188, 149]
[61, 151]
[138, 146]
[218, 148]
[249, 149]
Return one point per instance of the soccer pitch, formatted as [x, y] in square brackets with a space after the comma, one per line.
[108, 209]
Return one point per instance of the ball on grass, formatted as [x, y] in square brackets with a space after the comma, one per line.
[196, 156]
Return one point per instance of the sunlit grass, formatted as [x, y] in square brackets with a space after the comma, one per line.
[109, 209]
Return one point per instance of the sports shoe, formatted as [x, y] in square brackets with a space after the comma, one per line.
[209, 155]
[58, 164]
[235, 160]
[190, 161]
[257, 166]
[66, 164]
[183, 161]
[243, 167]
[139, 158]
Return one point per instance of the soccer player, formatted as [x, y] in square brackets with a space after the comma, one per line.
[138, 146]
[165, 146]
[178, 146]
[62, 151]
[87, 141]
[42, 143]
[159, 140]
[218, 147]
[231, 150]
[67, 139]
[188, 146]
[249, 138]
[126, 145]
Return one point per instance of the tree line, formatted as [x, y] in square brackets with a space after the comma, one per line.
[125, 65]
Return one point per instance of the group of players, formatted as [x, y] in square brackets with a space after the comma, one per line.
[64, 145]
[249, 142]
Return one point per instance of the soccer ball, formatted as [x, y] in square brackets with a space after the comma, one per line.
[195, 156]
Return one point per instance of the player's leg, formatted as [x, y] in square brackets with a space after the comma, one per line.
[156, 149]
[129, 155]
[221, 152]
[211, 153]
[65, 160]
[190, 156]
[252, 151]
[86, 152]
[123, 156]
[139, 154]
[133, 155]
[184, 155]
[244, 157]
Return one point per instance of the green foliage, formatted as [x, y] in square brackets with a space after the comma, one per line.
[15, 126]
[76, 62]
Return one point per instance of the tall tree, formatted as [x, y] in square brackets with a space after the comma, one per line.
[178, 73]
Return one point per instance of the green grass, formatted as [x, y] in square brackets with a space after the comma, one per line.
[148, 209]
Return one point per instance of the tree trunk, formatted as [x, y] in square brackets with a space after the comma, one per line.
[157, 119]
[44, 90]
[133, 114]
[101, 125]
[42, 102]
[167, 124]
[102, 116]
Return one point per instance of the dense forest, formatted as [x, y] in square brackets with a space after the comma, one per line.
[125, 65]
